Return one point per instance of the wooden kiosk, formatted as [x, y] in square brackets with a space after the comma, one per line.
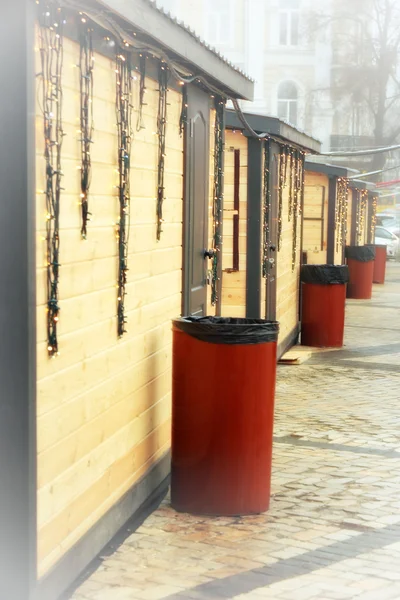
[262, 221]
[325, 213]
[105, 169]
[362, 206]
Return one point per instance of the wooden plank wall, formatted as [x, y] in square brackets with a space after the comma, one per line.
[288, 280]
[316, 191]
[234, 284]
[104, 405]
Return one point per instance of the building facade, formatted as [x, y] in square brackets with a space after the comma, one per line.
[296, 52]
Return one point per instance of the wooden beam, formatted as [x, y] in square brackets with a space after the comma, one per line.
[236, 208]
[17, 304]
[330, 250]
[254, 240]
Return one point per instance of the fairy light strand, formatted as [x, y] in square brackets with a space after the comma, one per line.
[363, 209]
[266, 208]
[124, 111]
[86, 64]
[291, 183]
[362, 196]
[281, 184]
[342, 189]
[373, 217]
[161, 132]
[184, 110]
[51, 58]
[298, 177]
[218, 191]
[142, 90]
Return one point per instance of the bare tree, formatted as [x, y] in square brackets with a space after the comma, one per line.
[366, 65]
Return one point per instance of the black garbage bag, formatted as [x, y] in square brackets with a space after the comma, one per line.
[325, 274]
[228, 330]
[360, 253]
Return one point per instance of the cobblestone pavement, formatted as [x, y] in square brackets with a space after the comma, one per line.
[333, 529]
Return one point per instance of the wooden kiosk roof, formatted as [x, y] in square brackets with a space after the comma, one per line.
[147, 25]
[275, 128]
[326, 169]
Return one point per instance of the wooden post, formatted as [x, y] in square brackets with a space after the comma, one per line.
[254, 239]
[331, 240]
[17, 304]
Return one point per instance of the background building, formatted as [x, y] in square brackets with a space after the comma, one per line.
[329, 68]
[273, 41]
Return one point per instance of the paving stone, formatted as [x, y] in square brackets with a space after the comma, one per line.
[333, 527]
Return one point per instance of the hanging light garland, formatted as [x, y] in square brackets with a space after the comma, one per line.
[298, 177]
[362, 196]
[161, 131]
[281, 185]
[51, 57]
[124, 125]
[342, 190]
[86, 63]
[142, 90]
[373, 217]
[357, 216]
[266, 207]
[286, 156]
[184, 110]
[291, 169]
[363, 210]
[218, 192]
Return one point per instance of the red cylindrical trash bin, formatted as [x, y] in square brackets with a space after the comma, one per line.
[379, 263]
[223, 392]
[360, 260]
[323, 305]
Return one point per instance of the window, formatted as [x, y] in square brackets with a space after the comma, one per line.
[219, 23]
[386, 221]
[289, 23]
[383, 234]
[288, 102]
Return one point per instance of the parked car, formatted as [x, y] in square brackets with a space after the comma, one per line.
[390, 221]
[385, 237]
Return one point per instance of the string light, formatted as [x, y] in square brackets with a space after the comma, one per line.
[266, 208]
[342, 192]
[142, 89]
[362, 198]
[124, 125]
[291, 167]
[184, 110]
[281, 184]
[373, 217]
[218, 192]
[51, 57]
[86, 118]
[291, 163]
[298, 198]
[161, 132]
